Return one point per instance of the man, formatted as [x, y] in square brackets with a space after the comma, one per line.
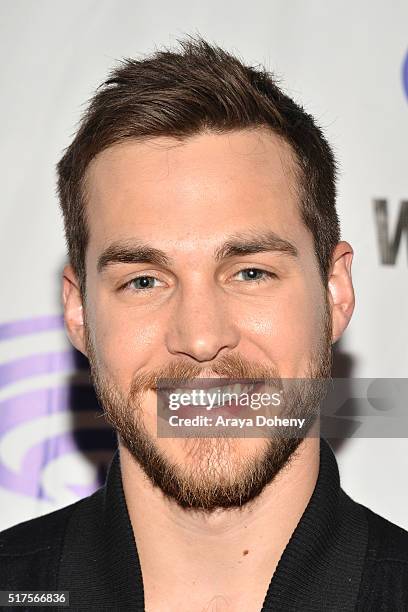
[203, 238]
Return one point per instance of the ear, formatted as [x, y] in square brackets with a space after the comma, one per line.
[73, 309]
[340, 289]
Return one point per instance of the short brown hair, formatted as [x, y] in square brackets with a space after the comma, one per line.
[179, 93]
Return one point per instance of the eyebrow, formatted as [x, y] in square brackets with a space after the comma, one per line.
[254, 242]
[236, 245]
[125, 252]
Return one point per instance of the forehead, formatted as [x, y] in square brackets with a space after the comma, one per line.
[165, 190]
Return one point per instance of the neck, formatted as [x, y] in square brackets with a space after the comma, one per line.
[249, 541]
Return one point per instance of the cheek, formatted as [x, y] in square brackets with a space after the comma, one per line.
[123, 342]
[286, 330]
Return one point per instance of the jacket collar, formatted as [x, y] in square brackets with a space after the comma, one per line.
[320, 568]
[322, 564]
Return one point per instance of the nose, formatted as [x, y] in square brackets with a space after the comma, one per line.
[201, 325]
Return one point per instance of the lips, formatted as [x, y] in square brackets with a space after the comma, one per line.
[172, 385]
[180, 385]
[221, 393]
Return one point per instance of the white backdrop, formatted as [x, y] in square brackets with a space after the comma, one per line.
[342, 61]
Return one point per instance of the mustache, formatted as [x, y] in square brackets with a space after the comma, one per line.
[233, 366]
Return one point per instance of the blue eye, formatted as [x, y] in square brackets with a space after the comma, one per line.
[141, 283]
[256, 275]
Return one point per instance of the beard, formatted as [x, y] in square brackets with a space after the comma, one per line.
[210, 473]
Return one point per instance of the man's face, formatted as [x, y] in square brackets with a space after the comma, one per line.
[211, 303]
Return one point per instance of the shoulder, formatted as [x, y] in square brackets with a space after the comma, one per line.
[35, 534]
[387, 541]
[30, 551]
[384, 583]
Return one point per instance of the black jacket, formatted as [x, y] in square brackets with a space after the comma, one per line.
[341, 556]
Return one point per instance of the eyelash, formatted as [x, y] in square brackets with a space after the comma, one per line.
[266, 273]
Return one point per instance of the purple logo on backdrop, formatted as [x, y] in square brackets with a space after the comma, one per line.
[32, 433]
[405, 74]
